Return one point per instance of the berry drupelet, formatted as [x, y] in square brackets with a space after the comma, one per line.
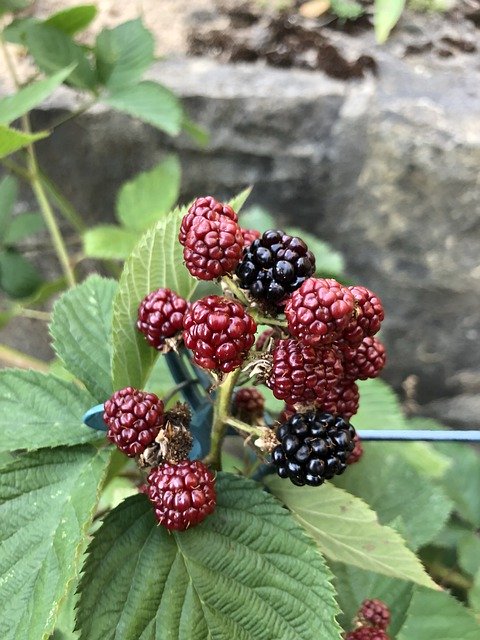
[273, 266]
[367, 633]
[207, 208]
[160, 316]
[367, 318]
[357, 452]
[365, 361]
[342, 399]
[314, 447]
[134, 419]
[374, 613]
[249, 403]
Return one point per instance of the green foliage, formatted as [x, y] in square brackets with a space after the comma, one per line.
[248, 571]
[22, 226]
[12, 140]
[109, 242]
[73, 19]
[47, 501]
[386, 15]
[347, 530]
[347, 9]
[13, 5]
[18, 278]
[81, 330]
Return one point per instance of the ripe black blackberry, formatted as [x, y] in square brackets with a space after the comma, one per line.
[314, 446]
[273, 266]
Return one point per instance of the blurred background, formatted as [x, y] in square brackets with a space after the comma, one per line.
[356, 122]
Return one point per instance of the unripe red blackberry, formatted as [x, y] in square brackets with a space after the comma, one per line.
[249, 402]
[160, 316]
[314, 446]
[342, 399]
[301, 374]
[366, 361]
[374, 613]
[263, 338]
[367, 317]
[249, 235]
[213, 248]
[319, 310]
[367, 633]
[219, 332]
[133, 419]
[182, 494]
[273, 266]
[357, 452]
[208, 208]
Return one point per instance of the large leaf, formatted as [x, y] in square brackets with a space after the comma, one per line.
[247, 572]
[53, 50]
[25, 99]
[151, 102]
[81, 332]
[157, 261]
[73, 19]
[39, 410]
[47, 501]
[469, 553]
[123, 54]
[149, 195]
[395, 490]
[12, 140]
[18, 277]
[22, 226]
[109, 242]
[386, 15]
[347, 530]
[8, 197]
[438, 615]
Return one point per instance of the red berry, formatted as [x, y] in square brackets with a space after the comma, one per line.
[160, 316]
[219, 332]
[319, 310]
[134, 419]
[366, 361]
[357, 453]
[367, 318]
[213, 248]
[182, 494]
[374, 613]
[250, 402]
[249, 235]
[367, 633]
[342, 399]
[301, 374]
[263, 339]
[204, 207]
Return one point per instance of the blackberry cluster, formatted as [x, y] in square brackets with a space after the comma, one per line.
[274, 266]
[314, 446]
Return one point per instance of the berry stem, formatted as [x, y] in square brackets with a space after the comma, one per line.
[237, 292]
[246, 428]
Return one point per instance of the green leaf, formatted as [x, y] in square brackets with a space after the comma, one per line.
[239, 200]
[39, 410]
[258, 218]
[196, 132]
[15, 31]
[386, 15]
[354, 585]
[12, 140]
[347, 530]
[18, 277]
[81, 332]
[22, 226]
[53, 50]
[329, 262]
[73, 19]
[347, 9]
[150, 102]
[109, 242]
[469, 553]
[8, 197]
[438, 615]
[157, 261]
[47, 501]
[422, 507]
[14, 106]
[13, 5]
[124, 54]
[474, 594]
[149, 195]
[247, 571]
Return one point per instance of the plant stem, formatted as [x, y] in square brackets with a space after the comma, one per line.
[220, 418]
[15, 358]
[15, 168]
[237, 292]
[73, 114]
[258, 317]
[69, 212]
[33, 314]
[449, 577]
[243, 426]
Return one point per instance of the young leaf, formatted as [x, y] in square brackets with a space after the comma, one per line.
[12, 140]
[347, 9]
[30, 96]
[150, 102]
[386, 15]
[149, 195]
[8, 197]
[124, 54]
[347, 530]
[438, 615]
[157, 261]
[22, 226]
[239, 200]
[39, 410]
[18, 277]
[54, 50]
[247, 571]
[195, 131]
[81, 332]
[423, 507]
[109, 242]
[15, 31]
[73, 19]
[47, 501]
